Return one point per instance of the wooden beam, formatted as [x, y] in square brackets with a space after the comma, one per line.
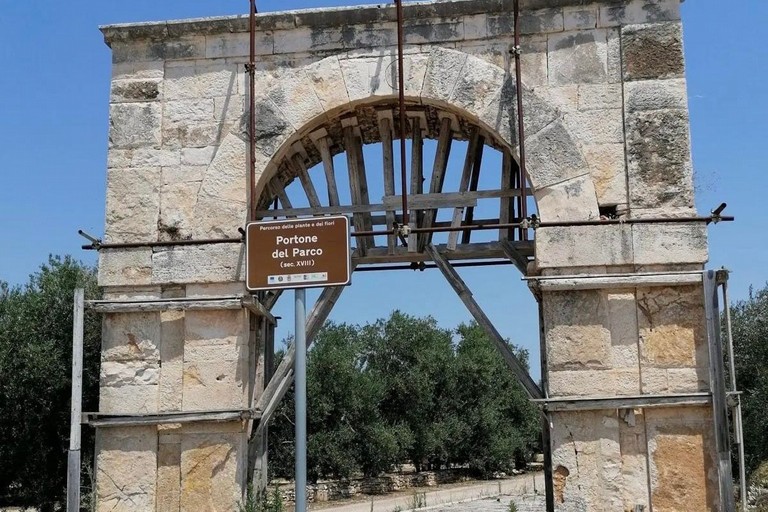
[388, 168]
[320, 139]
[472, 251]
[473, 182]
[161, 418]
[469, 162]
[505, 204]
[278, 190]
[520, 261]
[352, 143]
[504, 349]
[423, 201]
[73, 455]
[417, 178]
[623, 402]
[258, 309]
[178, 304]
[306, 181]
[438, 176]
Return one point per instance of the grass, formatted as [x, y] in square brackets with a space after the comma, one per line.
[262, 501]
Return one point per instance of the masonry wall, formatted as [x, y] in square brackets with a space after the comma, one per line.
[607, 122]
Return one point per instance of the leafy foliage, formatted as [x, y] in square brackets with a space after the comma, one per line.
[750, 343]
[402, 390]
[35, 372]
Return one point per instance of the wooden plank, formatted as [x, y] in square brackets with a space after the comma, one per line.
[306, 181]
[469, 162]
[505, 205]
[388, 168]
[73, 457]
[473, 182]
[417, 178]
[442, 200]
[623, 402]
[330, 174]
[125, 420]
[472, 251]
[616, 282]
[363, 182]
[258, 309]
[504, 349]
[520, 261]
[438, 176]
[355, 186]
[278, 190]
[221, 304]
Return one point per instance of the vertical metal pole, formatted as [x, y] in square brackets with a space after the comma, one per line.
[300, 369]
[252, 200]
[520, 120]
[719, 401]
[73, 462]
[401, 105]
[737, 426]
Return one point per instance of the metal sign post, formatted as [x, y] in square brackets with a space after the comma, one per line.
[298, 254]
[300, 369]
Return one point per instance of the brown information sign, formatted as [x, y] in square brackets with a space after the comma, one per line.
[298, 253]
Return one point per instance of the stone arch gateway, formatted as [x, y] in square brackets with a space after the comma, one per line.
[625, 352]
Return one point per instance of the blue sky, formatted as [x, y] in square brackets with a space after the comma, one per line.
[54, 90]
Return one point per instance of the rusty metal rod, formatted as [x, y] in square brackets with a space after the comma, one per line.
[252, 111]
[401, 100]
[424, 266]
[483, 227]
[520, 124]
[437, 229]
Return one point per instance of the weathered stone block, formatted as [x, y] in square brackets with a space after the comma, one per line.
[655, 95]
[138, 70]
[272, 130]
[216, 328]
[580, 18]
[597, 245]
[477, 86]
[131, 337]
[214, 385]
[573, 199]
[184, 134]
[139, 181]
[658, 157]
[198, 264]
[596, 126]
[128, 399]
[132, 217]
[308, 39]
[197, 110]
[135, 90]
[639, 11]
[291, 90]
[607, 165]
[577, 330]
[218, 46]
[168, 475]
[652, 51]
[553, 156]
[541, 21]
[577, 58]
[444, 70]
[328, 82]
[129, 373]
[211, 471]
[669, 243]
[151, 157]
[133, 125]
[600, 97]
[683, 470]
[419, 31]
[126, 469]
[125, 267]
[672, 327]
[198, 156]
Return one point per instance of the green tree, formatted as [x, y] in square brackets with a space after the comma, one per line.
[499, 427]
[750, 343]
[35, 372]
[414, 359]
